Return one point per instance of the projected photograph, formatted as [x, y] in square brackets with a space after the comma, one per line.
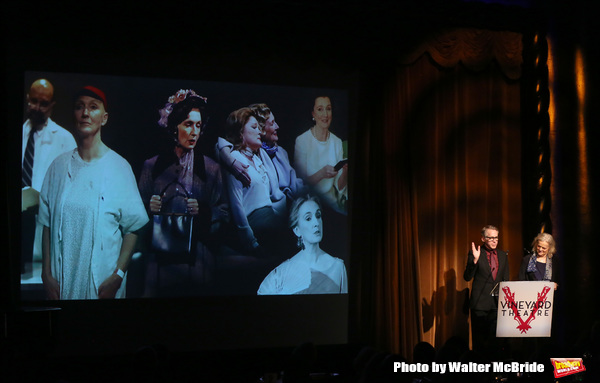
[151, 187]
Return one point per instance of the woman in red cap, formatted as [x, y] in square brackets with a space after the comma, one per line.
[90, 208]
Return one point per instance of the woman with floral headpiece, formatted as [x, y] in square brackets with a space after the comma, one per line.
[91, 211]
[181, 181]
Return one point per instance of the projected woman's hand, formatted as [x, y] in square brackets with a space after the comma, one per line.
[108, 289]
[155, 204]
[192, 206]
[240, 171]
[51, 286]
[328, 171]
[343, 180]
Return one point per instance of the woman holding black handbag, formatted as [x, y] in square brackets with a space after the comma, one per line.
[183, 189]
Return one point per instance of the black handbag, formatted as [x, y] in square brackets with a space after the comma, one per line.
[173, 232]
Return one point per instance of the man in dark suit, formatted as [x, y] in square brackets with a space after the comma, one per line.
[487, 266]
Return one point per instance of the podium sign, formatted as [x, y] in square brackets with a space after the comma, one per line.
[525, 309]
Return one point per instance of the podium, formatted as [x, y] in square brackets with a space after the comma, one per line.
[525, 309]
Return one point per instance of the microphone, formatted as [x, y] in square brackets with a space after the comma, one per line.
[495, 290]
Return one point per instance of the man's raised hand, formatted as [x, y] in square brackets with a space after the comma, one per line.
[476, 252]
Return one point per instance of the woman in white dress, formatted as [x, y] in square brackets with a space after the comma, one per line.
[311, 270]
[317, 152]
[90, 208]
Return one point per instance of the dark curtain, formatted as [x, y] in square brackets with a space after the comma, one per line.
[444, 162]
[574, 82]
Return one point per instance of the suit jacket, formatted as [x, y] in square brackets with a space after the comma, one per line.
[483, 282]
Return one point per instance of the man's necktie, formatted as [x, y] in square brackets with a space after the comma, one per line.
[27, 174]
[493, 260]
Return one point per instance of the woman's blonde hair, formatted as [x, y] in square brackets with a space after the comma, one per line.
[545, 237]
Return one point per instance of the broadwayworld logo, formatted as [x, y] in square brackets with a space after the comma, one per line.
[567, 366]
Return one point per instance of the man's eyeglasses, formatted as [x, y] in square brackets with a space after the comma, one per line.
[491, 238]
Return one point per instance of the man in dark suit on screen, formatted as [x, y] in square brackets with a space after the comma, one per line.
[487, 266]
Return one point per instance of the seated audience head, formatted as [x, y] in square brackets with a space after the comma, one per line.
[423, 352]
[454, 346]
[302, 360]
[362, 357]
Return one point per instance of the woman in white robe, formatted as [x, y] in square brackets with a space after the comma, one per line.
[90, 208]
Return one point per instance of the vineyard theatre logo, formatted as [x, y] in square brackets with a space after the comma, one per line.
[525, 309]
[532, 307]
[567, 366]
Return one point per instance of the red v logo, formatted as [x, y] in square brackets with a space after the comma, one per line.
[509, 297]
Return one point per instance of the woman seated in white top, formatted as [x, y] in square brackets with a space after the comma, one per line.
[252, 207]
[311, 270]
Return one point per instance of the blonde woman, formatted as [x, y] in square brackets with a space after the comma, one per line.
[541, 264]
[311, 270]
